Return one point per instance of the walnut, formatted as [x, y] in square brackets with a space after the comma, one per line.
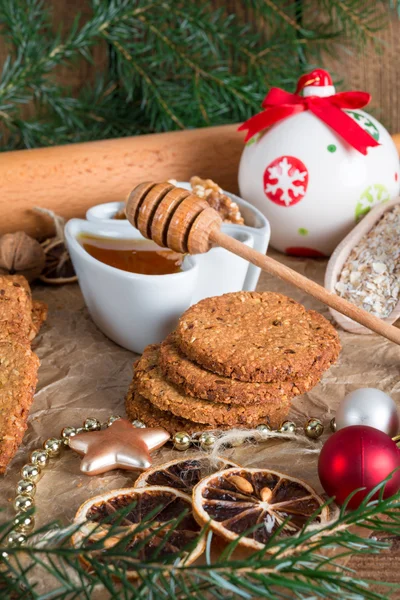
[214, 195]
[21, 254]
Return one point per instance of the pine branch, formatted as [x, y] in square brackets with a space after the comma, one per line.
[306, 565]
[125, 55]
[173, 64]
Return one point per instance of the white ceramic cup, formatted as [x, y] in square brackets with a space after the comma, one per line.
[256, 225]
[135, 310]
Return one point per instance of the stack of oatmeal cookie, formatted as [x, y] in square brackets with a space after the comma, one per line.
[235, 360]
[20, 321]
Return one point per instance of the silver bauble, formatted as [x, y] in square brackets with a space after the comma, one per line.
[368, 406]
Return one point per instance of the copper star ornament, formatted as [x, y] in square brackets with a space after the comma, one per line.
[120, 446]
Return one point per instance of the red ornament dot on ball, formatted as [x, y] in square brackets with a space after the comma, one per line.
[358, 457]
[276, 175]
[302, 251]
[396, 176]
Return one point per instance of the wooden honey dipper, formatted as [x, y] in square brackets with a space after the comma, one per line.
[174, 218]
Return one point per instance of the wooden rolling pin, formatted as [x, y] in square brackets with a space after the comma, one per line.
[174, 218]
[70, 179]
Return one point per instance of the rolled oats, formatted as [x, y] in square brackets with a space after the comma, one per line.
[370, 276]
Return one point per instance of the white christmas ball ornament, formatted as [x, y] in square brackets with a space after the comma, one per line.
[369, 406]
[310, 183]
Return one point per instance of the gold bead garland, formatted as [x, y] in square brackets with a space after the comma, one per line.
[92, 424]
[24, 523]
[31, 473]
[207, 440]
[67, 432]
[22, 503]
[182, 441]
[287, 427]
[263, 427]
[15, 537]
[27, 487]
[313, 429]
[39, 459]
[53, 447]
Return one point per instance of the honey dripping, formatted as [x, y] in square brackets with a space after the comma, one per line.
[135, 256]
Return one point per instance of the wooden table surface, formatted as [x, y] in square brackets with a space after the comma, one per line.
[381, 567]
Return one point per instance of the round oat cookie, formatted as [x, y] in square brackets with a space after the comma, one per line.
[259, 337]
[151, 384]
[137, 407]
[201, 383]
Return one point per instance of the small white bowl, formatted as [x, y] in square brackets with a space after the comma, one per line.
[135, 310]
[104, 213]
[256, 224]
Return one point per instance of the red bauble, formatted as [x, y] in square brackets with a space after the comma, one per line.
[358, 457]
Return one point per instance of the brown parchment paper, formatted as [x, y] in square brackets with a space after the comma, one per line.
[85, 374]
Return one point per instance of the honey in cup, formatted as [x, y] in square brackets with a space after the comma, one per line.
[135, 256]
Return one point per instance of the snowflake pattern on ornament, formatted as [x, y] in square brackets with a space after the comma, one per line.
[365, 123]
[285, 180]
[371, 196]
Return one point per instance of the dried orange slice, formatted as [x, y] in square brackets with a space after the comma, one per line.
[235, 501]
[183, 473]
[163, 542]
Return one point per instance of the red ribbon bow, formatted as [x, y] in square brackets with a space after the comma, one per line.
[279, 105]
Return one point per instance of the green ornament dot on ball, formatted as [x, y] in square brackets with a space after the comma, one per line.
[331, 148]
[303, 231]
